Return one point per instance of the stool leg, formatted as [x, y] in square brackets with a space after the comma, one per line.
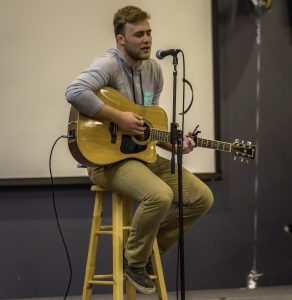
[159, 281]
[128, 216]
[93, 243]
[130, 291]
[117, 212]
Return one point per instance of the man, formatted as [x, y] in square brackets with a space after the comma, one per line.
[129, 69]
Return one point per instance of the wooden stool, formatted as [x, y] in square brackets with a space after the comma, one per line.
[121, 224]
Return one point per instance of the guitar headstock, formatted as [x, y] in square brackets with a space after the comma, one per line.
[244, 151]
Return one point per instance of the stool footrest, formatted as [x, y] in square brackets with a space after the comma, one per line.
[104, 282]
[109, 231]
[103, 276]
[103, 232]
[106, 227]
[110, 227]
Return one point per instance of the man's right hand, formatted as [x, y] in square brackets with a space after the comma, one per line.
[129, 122]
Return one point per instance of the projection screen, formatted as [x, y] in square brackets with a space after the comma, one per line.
[45, 44]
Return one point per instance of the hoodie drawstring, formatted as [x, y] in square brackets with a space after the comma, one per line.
[142, 93]
[133, 86]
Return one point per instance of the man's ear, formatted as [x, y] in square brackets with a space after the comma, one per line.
[120, 39]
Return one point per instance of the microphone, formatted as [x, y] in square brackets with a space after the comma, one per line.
[161, 54]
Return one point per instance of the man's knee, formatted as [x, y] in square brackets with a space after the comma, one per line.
[208, 199]
[201, 198]
[162, 198]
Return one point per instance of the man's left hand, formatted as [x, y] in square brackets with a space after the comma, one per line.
[188, 145]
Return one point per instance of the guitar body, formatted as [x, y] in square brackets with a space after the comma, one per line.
[93, 142]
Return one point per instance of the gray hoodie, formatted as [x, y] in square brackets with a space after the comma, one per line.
[141, 85]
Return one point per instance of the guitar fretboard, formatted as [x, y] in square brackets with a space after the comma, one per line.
[211, 144]
[159, 135]
[164, 136]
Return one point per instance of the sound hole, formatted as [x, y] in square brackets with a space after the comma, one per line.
[138, 143]
[145, 137]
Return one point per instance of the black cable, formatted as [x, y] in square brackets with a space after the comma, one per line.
[185, 81]
[56, 215]
[184, 88]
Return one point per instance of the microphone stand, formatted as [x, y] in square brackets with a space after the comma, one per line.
[177, 138]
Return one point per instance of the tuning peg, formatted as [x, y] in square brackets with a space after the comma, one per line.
[196, 128]
[242, 159]
[249, 143]
[242, 141]
[196, 132]
[236, 141]
[234, 158]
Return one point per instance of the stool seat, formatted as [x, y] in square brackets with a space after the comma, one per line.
[119, 230]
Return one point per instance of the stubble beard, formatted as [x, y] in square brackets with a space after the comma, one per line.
[137, 55]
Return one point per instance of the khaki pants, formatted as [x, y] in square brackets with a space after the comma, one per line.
[156, 191]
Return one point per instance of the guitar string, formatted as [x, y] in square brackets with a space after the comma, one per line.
[161, 135]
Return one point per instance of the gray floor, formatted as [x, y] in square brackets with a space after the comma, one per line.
[260, 293]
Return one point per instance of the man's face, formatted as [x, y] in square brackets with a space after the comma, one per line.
[136, 41]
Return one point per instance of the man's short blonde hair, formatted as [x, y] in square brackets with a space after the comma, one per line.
[128, 14]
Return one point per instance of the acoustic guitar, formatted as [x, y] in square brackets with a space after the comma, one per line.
[93, 142]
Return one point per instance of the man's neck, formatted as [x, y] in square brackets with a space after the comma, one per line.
[132, 62]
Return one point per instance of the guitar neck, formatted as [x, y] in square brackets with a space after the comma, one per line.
[164, 136]
[212, 144]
